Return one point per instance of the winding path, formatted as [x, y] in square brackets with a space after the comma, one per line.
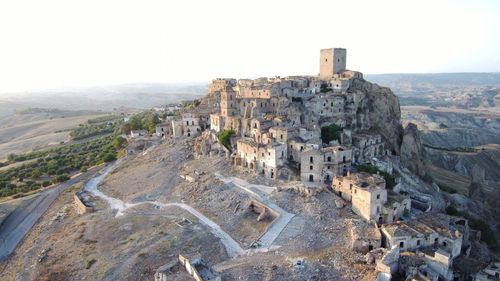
[232, 247]
[261, 192]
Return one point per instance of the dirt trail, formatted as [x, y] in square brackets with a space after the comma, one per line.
[261, 193]
[232, 247]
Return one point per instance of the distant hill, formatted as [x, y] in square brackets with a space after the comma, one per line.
[106, 98]
[437, 79]
[460, 90]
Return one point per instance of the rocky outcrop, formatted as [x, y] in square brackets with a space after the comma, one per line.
[412, 150]
[377, 109]
[483, 163]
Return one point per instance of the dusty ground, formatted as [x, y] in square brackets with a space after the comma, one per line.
[100, 246]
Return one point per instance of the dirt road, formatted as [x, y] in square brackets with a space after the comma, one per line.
[15, 227]
[232, 247]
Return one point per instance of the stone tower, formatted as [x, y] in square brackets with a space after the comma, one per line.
[228, 102]
[332, 61]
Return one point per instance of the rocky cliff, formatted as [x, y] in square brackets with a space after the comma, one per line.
[412, 150]
[378, 110]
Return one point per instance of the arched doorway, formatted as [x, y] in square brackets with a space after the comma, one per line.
[311, 178]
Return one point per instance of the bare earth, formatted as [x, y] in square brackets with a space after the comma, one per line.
[131, 246]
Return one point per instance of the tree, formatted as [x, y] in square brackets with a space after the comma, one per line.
[108, 157]
[118, 142]
[61, 178]
[225, 138]
[135, 122]
[126, 128]
[330, 132]
[36, 173]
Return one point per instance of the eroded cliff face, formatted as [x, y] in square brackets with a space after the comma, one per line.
[412, 150]
[378, 111]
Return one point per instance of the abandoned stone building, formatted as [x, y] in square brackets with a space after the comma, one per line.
[367, 147]
[428, 231]
[364, 236]
[369, 197]
[190, 124]
[265, 159]
[277, 122]
[429, 243]
[163, 129]
[323, 164]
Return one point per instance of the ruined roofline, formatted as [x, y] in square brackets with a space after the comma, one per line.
[309, 77]
[327, 49]
[420, 225]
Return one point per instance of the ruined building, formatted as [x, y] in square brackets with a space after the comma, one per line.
[370, 199]
[278, 121]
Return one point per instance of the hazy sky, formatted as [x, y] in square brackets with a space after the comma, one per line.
[53, 44]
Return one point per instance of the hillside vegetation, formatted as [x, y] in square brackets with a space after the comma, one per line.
[98, 143]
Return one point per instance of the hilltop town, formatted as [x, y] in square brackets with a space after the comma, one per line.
[340, 134]
[276, 178]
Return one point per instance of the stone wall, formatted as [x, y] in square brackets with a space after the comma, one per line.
[81, 207]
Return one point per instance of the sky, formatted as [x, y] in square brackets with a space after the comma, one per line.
[66, 43]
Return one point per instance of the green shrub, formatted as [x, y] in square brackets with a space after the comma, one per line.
[452, 211]
[330, 132]
[191, 104]
[119, 142]
[109, 157]
[11, 157]
[225, 138]
[487, 234]
[325, 89]
[61, 178]
[144, 121]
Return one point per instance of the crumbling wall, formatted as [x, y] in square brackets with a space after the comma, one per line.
[364, 236]
[264, 212]
[81, 206]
